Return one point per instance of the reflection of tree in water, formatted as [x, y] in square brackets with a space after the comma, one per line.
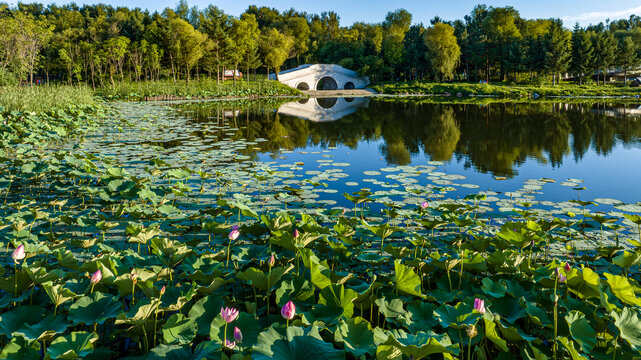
[491, 138]
[442, 135]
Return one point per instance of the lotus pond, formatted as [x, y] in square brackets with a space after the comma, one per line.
[343, 228]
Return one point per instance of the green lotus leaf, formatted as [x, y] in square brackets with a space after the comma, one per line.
[95, 308]
[16, 319]
[259, 278]
[421, 314]
[630, 327]
[392, 309]
[204, 311]
[587, 283]
[21, 349]
[569, 346]
[72, 346]
[406, 280]
[179, 329]
[335, 301]
[170, 352]
[458, 317]
[138, 314]
[509, 308]
[493, 289]
[297, 290]
[357, 336]
[422, 344]
[581, 330]
[44, 329]
[294, 343]
[622, 289]
[493, 335]
[57, 293]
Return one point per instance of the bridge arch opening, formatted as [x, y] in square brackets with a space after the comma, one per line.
[326, 103]
[326, 83]
[349, 85]
[302, 86]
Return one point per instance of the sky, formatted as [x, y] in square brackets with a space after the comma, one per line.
[372, 11]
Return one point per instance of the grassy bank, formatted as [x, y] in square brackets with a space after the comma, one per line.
[502, 90]
[206, 88]
[44, 98]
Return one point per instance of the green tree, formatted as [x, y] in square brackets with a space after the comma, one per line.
[557, 50]
[627, 58]
[275, 48]
[186, 45]
[605, 47]
[581, 53]
[115, 50]
[443, 50]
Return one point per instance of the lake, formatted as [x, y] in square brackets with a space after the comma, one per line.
[411, 148]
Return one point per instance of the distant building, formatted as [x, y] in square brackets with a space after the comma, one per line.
[231, 74]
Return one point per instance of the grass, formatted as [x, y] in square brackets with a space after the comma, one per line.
[45, 98]
[504, 90]
[206, 88]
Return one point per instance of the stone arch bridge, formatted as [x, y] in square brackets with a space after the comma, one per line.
[321, 77]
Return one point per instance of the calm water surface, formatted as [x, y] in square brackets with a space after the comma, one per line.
[502, 147]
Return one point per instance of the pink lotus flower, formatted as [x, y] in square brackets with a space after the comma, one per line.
[567, 268]
[235, 227]
[344, 211]
[272, 260]
[559, 276]
[479, 305]
[18, 254]
[296, 234]
[424, 205]
[233, 235]
[288, 311]
[96, 277]
[229, 344]
[228, 314]
[238, 335]
[162, 290]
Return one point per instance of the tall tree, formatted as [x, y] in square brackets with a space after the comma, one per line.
[443, 50]
[627, 58]
[581, 53]
[605, 48]
[275, 48]
[557, 50]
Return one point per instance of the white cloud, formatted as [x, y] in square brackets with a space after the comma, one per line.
[597, 16]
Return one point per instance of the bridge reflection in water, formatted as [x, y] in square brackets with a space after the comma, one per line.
[323, 109]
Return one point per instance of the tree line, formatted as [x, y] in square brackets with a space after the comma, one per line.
[99, 44]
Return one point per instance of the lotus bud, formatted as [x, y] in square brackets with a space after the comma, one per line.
[288, 311]
[235, 227]
[18, 254]
[424, 205]
[559, 276]
[233, 235]
[229, 344]
[272, 260]
[96, 277]
[479, 305]
[344, 211]
[238, 335]
[162, 290]
[134, 278]
[228, 314]
[567, 268]
[296, 234]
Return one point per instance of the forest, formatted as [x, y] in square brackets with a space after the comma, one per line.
[101, 44]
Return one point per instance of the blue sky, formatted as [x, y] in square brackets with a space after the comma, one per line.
[571, 11]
